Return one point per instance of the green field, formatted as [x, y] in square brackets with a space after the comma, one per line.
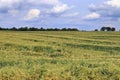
[59, 55]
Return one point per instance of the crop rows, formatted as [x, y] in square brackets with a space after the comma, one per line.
[62, 55]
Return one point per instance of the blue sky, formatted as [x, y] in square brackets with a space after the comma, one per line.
[81, 14]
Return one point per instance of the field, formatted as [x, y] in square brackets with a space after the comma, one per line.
[59, 55]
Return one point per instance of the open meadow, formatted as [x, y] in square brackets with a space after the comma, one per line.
[62, 55]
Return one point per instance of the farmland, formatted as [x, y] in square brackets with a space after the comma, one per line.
[62, 55]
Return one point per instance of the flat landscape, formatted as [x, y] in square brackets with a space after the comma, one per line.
[62, 55]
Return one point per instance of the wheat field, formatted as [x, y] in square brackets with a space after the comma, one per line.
[62, 55]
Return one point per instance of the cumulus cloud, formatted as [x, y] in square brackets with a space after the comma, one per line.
[113, 3]
[92, 16]
[109, 9]
[33, 13]
[59, 8]
[45, 8]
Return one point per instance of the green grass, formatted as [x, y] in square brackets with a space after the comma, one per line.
[59, 55]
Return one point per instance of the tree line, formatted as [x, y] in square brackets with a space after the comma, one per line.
[106, 29]
[52, 29]
[38, 29]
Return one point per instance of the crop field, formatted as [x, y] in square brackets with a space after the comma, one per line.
[62, 55]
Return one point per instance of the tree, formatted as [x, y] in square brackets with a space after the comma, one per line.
[56, 29]
[96, 30]
[108, 28]
[23, 29]
[41, 29]
[112, 29]
[103, 28]
[1, 28]
[63, 29]
[14, 29]
[33, 29]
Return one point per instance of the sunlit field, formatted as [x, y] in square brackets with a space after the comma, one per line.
[59, 55]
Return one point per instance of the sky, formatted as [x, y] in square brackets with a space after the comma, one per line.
[81, 14]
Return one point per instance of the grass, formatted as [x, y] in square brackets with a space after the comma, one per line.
[59, 55]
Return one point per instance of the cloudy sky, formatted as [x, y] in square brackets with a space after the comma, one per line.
[81, 14]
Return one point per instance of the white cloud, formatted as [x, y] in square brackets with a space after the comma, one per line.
[33, 13]
[92, 16]
[113, 3]
[59, 8]
[53, 8]
[108, 10]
